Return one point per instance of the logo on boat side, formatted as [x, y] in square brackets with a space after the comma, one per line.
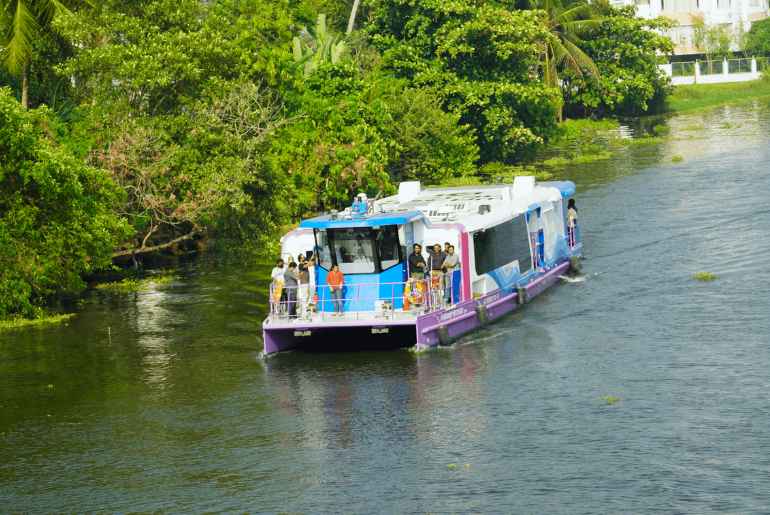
[492, 298]
[448, 315]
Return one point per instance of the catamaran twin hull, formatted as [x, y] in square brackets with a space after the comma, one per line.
[511, 242]
[441, 327]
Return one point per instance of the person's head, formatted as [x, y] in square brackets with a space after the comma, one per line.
[417, 248]
[292, 265]
[571, 204]
[447, 245]
[301, 258]
[279, 263]
[437, 248]
[335, 268]
[450, 249]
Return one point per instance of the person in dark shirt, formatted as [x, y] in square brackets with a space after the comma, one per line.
[291, 280]
[417, 265]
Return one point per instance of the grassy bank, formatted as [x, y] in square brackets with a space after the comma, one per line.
[703, 96]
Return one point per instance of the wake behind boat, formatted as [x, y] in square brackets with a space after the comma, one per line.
[368, 283]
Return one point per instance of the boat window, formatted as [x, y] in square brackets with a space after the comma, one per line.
[354, 250]
[388, 246]
[323, 249]
[501, 245]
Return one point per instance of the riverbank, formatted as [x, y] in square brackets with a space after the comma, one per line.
[704, 96]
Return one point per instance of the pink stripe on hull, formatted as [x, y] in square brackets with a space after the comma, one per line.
[466, 265]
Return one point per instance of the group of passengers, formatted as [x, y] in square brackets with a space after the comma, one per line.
[294, 286]
[438, 269]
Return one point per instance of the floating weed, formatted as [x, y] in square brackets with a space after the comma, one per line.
[693, 127]
[646, 140]
[556, 161]
[705, 277]
[590, 158]
[611, 400]
[677, 159]
[452, 466]
[22, 323]
[135, 285]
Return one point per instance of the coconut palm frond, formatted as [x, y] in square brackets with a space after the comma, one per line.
[22, 30]
[580, 28]
[581, 59]
[575, 12]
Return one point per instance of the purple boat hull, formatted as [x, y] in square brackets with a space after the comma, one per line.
[429, 330]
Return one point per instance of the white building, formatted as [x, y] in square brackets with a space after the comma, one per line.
[735, 15]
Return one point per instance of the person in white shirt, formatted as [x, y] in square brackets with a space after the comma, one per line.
[276, 287]
[449, 266]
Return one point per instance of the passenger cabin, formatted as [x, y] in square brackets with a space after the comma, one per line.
[505, 235]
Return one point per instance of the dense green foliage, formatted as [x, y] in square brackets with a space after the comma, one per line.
[625, 50]
[757, 40]
[230, 119]
[480, 59]
[56, 213]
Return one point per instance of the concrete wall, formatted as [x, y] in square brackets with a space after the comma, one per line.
[714, 78]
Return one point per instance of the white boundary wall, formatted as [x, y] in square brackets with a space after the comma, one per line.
[713, 78]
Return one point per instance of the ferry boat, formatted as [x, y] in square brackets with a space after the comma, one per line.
[512, 240]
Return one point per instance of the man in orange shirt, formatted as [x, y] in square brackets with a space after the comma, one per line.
[336, 281]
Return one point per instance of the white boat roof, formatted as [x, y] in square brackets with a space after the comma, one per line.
[476, 207]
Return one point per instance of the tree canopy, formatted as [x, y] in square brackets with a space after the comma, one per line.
[175, 122]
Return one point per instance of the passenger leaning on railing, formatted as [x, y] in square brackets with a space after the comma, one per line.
[336, 281]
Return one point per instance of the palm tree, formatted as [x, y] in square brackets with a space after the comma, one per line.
[21, 22]
[567, 23]
[323, 46]
[352, 19]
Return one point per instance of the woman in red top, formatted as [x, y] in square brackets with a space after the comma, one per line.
[336, 281]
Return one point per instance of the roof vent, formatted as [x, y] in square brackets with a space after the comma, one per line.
[408, 191]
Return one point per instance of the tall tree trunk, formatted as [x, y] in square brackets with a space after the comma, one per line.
[25, 86]
[352, 20]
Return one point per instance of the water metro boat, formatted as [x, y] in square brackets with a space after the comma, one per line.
[513, 242]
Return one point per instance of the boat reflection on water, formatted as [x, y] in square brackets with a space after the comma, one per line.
[431, 398]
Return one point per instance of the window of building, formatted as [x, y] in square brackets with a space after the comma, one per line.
[501, 245]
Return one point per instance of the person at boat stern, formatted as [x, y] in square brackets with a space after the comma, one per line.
[435, 263]
[417, 263]
[451, 268]
[336, 282]
[572, 216]
[276, 286]
[303, 293]
[291, 280]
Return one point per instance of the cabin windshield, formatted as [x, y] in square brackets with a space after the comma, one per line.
[359, 250]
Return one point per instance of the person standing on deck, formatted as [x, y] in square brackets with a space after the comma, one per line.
[571, 222]
[304, 285]
[291, 279]
[435, 262]
[417, 263]
[336, 281]
[450, 266]
[276, 286]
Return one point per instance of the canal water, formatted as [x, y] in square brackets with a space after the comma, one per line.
[638, 390]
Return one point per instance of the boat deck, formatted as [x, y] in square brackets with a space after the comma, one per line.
[348, 319]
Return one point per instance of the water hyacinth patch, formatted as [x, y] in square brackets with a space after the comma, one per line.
[705, 276]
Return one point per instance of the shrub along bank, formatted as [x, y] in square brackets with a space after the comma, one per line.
[174, 121]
